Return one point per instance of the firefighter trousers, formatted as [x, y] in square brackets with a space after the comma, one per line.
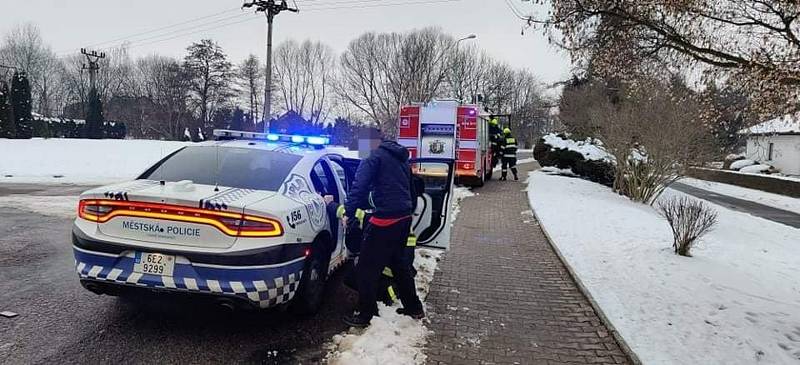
[382, 247]
[509, 162]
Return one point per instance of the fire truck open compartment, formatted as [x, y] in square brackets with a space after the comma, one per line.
[449, 129]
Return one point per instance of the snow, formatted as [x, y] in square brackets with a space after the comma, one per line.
[757, 196]
[552, 170]
[785, 124]
[739, 164]
[754, 169]
[86, 161]
[391, 338]
[79, 161]
[54, 206]
[590, 149]
[737, 301]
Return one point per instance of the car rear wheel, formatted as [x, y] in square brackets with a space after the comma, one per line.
[312, 284]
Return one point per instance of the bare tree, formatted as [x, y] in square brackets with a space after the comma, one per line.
[303, 74]
[24, 49]
[381, 72]
[655, 134]
[251, 80]
[166, 85]
[755, 42]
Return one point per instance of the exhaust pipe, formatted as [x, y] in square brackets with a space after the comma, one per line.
[227, 305]
[94, 288]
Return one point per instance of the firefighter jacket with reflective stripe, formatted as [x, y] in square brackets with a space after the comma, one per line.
[510, 147]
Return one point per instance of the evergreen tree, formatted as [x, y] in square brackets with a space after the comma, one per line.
[21, 105]
[94, 116]
[7, 129]
[238, 120]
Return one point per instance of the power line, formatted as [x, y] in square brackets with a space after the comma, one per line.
[136, 44]
[426, 2]
[516, 11]
[131, 42]
[155, 30]
[166, 27]
[200, 27]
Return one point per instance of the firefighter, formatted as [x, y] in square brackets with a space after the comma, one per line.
[509, 148]
[495, 137]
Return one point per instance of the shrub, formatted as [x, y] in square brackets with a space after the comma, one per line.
[600, 172]
[690, 219]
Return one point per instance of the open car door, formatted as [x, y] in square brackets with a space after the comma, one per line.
[431, 223]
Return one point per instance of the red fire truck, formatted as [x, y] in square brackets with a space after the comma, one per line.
[449, 129]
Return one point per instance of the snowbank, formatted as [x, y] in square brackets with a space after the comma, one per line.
[391, 338]
[755, 169]
[459, 194]
[774, 200]
[737, 165]
[590, 149]
[79, 161]
[737, 301]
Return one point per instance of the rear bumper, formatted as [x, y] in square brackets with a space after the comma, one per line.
[262, 285]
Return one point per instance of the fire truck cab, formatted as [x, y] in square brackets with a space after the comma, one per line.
[451, 130]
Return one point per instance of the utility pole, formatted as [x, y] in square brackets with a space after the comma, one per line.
[270, 10]
[93, 59]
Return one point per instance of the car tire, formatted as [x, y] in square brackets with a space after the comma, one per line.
[312, 285]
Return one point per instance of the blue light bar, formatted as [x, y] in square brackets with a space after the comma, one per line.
[298, 139]
[319, 141]
[273, 137]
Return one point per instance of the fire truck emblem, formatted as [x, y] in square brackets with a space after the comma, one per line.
[436, 147]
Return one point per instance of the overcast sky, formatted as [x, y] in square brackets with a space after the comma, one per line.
[69, 25]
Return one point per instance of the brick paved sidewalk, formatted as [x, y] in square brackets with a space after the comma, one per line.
[502, 296]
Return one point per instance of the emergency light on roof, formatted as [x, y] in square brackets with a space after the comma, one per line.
[224, 134]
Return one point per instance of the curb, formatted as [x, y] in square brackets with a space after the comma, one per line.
[596, 306]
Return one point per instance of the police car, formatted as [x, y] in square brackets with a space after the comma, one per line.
[243, 219]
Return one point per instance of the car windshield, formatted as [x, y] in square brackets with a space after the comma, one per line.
[244, 168]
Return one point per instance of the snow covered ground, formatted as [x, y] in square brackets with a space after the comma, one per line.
[85, 161]
[55, 206]
[391, 338]
[737, 301]
[758, 196]
[79, 161]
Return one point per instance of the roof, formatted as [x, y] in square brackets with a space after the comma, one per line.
[787, 124]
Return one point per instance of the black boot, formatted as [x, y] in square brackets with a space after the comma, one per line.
[416, 315]
[356, 320]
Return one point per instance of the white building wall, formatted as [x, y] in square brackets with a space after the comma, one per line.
[785, 152]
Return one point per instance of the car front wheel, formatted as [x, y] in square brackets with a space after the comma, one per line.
[312, 285]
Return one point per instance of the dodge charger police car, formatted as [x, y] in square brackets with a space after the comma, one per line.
[243, 219]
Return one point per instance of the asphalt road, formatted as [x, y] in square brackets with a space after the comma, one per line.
[760, 210]
[60, 322]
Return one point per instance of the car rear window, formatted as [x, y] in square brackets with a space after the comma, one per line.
[243, 168]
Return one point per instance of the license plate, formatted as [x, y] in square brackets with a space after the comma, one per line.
[154, 264]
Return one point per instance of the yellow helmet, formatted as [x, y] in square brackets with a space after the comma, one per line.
[493, 121]
[507, 131]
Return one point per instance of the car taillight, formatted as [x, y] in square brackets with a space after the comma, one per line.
[93, 210]
[232, 224]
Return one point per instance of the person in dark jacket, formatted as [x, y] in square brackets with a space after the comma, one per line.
[387, 176]
[509, 147]
[495, 137]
